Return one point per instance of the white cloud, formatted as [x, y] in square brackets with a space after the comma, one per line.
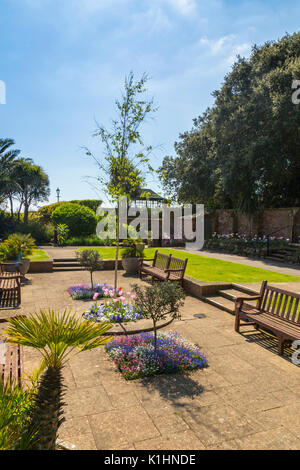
[217, 46]
[185, 7]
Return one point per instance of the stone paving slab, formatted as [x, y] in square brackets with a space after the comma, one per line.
[247, 399]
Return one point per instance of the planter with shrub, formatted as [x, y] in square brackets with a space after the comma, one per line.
[14, 251]
[131, 255]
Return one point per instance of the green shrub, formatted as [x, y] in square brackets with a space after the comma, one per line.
[6, 223]
[80, 220]
[90, 203]
[45, 212]
[42, 233]
[62, 233]
[15, 246]
[88, 240]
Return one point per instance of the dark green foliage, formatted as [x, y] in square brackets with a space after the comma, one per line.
[80, 220]
[16, 405]
[91, 203]
[45, 212]
[244, 152]
[6, 224]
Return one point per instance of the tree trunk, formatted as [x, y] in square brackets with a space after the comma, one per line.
[117, 250]
[92, 285]
[46, 416]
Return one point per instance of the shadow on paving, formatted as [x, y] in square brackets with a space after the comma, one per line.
[268, 342]
[174, 387]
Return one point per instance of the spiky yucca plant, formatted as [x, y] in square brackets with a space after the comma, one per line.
[58, 337]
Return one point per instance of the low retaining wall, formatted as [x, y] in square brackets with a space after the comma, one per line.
[200, 289]
[41, 266]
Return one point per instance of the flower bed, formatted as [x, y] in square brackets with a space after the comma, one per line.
[136, 357]
[85, 291]
[116, 310]
[244, 245]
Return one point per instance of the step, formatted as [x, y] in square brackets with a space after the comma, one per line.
[62, 260]
[244, 289]
[67, 264]
[67, 268]
[219, 302]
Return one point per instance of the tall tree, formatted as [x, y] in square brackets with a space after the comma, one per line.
[31, 185]
[7, 159]
[244, 152]
[125, 156]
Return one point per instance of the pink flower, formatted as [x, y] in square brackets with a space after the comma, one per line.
[122, 298]
[116, 300]
[128, 293]
[133, 296]
[95, 296]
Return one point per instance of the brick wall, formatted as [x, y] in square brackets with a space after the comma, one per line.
[269, 221]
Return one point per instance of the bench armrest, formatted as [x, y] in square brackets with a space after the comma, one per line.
[240, 300]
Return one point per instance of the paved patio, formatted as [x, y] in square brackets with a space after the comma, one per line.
[249, 397]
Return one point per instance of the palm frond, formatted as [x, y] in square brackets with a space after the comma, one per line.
[56, 334]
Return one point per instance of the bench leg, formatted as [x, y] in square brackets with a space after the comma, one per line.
[280, 346]
[237, 322]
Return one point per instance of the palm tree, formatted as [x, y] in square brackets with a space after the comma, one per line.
[7, 159]
[56, 336]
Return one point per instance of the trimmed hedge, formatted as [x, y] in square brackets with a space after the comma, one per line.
[46, 211]
[80, 219]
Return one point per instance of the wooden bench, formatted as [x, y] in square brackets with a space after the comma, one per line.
[10, 289]
[276, 310]
[164, 268]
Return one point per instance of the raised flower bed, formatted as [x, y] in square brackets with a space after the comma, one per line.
[136, 357]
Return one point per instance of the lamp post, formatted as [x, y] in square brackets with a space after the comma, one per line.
[58, 193]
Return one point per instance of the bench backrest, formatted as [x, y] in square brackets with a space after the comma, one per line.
[178, 263]
[280, 303]
[161, 260]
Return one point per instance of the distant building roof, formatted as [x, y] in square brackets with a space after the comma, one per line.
[147, 194]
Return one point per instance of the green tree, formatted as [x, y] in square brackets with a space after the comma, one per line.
[91, 260]
[31, 185]
[7, 160]
[57, 337]
[125, 155]
[243, 152]
[158, 302]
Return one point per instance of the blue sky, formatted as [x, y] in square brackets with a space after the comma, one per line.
[64, 63]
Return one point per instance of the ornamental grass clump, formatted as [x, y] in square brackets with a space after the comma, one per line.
[136, 356]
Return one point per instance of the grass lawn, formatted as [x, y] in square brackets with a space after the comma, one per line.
[38, 255]
[212, 269]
